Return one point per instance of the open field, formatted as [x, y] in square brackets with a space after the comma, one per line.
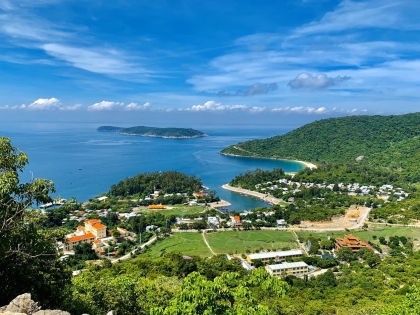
[238, 242]
[176, 210]
[185, 243]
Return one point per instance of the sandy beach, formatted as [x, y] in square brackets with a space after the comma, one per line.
[307, 164]
[266, 198]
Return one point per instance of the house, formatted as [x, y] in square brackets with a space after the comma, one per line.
[352, 242]
[78, 240]
[236, 221]
[281, 223]
[287, 269]
[275, 256]
[102, 198]
[123, 232]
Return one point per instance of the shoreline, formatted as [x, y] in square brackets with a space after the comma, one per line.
[304, 163]
[263, 197]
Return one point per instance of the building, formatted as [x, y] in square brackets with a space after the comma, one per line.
[275, 256]
[96, 228]
[287, 269]
[352, 242]
[78, 240]
[157, 207]
[281, 223]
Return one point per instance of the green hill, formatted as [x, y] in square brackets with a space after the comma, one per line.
[334, 140]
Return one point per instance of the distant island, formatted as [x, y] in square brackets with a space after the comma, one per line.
[175, 133]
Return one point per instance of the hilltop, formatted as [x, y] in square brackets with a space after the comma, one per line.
[335, 140]
[155, 131]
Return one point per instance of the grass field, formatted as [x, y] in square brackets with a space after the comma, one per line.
[176, 210]
[238, 242]
[185, 243]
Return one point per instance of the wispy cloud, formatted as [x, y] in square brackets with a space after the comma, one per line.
[254, 89]
[317, 111]
[319, 81]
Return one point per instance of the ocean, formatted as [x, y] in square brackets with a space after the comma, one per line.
[84, 163]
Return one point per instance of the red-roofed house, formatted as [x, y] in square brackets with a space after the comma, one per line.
[78, 240]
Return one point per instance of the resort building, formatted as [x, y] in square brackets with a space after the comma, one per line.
[287, 269]
[274, 256]
[352, 242]
[96, 228]
[156, 207]
[78, 240]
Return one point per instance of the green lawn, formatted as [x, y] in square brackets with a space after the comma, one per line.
[187, 243]
[177, 210]
[238, 242]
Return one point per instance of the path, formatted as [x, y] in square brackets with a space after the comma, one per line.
[127, 256]
[301, 245]
[205, 241]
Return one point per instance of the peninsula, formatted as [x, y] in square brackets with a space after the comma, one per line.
[176, 133]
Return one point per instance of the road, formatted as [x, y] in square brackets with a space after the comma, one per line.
[127, 256]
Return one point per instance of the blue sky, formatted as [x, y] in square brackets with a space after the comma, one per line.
[262, 61]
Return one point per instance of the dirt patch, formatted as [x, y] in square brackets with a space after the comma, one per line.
[350, 219]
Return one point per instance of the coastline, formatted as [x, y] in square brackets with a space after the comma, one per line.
[266, 198]
[304, 163]
[159, 136]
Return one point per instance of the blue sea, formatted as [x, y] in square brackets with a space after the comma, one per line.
[84, 163]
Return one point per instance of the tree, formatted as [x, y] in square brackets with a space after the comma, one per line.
[28, 257]
[346, 254]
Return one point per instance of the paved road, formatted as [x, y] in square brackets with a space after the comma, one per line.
[127, 256]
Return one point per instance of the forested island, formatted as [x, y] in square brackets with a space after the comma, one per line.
[336, 140]
[177, 133]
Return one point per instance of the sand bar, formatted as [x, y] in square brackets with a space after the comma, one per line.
[264, 197]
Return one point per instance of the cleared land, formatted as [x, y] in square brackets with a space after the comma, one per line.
[176, 210]
[189, 244]
[238, 242]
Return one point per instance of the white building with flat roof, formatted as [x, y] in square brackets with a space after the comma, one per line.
[287, 269]
[276, 256]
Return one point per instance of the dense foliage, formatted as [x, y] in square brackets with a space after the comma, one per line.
[334, 140]
[28, 256]
[145, 184]
[155, 131]
[252, 178]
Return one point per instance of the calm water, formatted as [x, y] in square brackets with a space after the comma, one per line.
[83, 163]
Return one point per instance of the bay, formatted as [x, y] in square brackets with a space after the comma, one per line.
[84, 163]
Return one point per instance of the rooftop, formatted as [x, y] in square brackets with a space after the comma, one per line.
[276, 254]
[80, 237]
[287, 265]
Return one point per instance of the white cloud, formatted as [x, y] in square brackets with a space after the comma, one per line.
[45, 104]
[257, 109]
[105, 105]
[99, 61]
[74, 107]
[365, 14]
[319, 81]
[135, 106]
[317, 111]
[213, 106]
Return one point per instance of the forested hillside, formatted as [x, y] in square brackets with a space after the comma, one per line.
[334, 140]
[146, 183]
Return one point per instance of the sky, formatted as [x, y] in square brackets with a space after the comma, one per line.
[180, 61]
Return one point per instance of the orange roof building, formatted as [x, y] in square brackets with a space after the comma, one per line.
[155, 207]
[352, 242]
[78, 240]
[96, 228]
